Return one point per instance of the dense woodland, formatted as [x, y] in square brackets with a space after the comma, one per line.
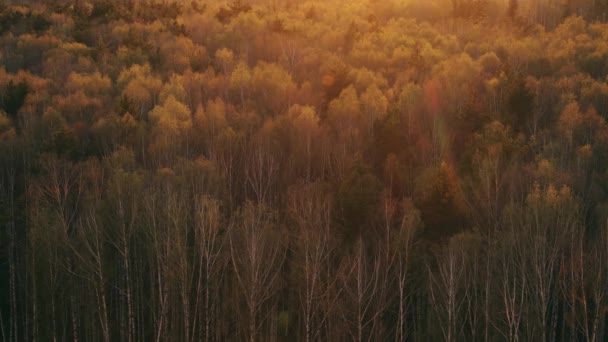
[290, 170]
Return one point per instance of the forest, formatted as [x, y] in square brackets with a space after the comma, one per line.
[304, 170]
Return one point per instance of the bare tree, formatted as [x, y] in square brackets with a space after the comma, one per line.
[597, 261]
[257, 254]
[124, 187]
[363, 281]
[401, 224]
[409, 225]
[62, 192]
[448, 285]
[583, 284]
[260, 173]
[539, 248]
[8, 193]
[158, 232]
[310, 209]
[505, 277]
[209, 242]
[89, 250]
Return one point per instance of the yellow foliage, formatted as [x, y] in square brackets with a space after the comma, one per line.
[545, 168]
[127, 121]
[570, 119]
[303, 116]
[178, 51]
[550, 196]
[75, 48]
[365, 78]
[241, 76]
[374, 103]
[173, 88]
[137, 92]
[346, 105]
[224, 58]
[585, 152]
[53, 119]
[5, 122]
[91, 84]
[173, 117]
[490, 63]
[216, 113]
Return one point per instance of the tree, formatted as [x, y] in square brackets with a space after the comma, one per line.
[225, 59]
[405, 243]
[6, 126]
[13, 98]
[123, 208]
[62, 195]
[273, 87]
[310, 209]
[436, 195]
[240, 80]
[362, 286]
[175, 87]
[260, 171]
[172, 120]
[139, 88]
[358, 200]
[92, 258]
[209, 242]
[166, 214]
[14, 315]
[374, 105]
[444, 286]
[257, 254]
[540, 246]
[302, 129]
[581, 284]
[519, 103]
[495, 156]
[178, 53]
[345, 120]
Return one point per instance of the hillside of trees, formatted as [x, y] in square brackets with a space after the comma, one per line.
[294, 170]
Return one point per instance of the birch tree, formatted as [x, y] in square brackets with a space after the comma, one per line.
[257, 253]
